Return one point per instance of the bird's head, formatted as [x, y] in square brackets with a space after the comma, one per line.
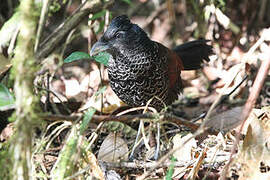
[120, 35]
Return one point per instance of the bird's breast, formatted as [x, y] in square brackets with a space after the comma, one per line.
[136, 80]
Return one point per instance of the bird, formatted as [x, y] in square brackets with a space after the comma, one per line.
[141, 70]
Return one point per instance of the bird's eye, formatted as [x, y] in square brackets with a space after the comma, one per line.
[119, 35]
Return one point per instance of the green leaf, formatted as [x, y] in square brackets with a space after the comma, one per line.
[100, 27]
[102, 57]
[170, 171]
[86, 119]
[127, 1]
[68, 156]
[98, 15]
[6, 99]
[77, 56]
[101, 90]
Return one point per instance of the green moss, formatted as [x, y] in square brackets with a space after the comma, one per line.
[5, 161]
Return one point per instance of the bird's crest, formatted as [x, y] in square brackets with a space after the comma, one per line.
[122, 22]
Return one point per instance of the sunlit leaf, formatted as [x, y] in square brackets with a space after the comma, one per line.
[102, 57]
[76, 56]
[6, 99]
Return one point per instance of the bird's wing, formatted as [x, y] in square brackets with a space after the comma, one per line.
[175, 66]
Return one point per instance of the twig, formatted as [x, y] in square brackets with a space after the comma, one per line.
[256, 88]
[13, 40]
[132, 165]
[47, 102]
[197, 164]
[166, 156]
[67, 41]
[126, 118]
[181, 121]
[236, 87]
[141, 127]
[135, 109]
[153, 15]
[99, 118]
[223, 98]
[53, 93]
[216, 102]
[43, 15]
[170, 8]
[143, 164]
[244, 60]
[157, 142]
[101, 66]
[93, 136]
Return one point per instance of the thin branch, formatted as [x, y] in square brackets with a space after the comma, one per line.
[244, 61]
[126, 118]
[143, 164]
[55, 39]
[132, 165]
[43, 16]
[99, 118]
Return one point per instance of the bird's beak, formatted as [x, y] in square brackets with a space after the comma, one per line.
[98, 47]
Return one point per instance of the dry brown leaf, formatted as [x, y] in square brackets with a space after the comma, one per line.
[72, 87]
[211, 72]
[253, 151]
[191, 92]
[236, 55]
[208, 99]
[113, 149]
[188, 75]
[184, 154]
[225, 121]
[7, 132]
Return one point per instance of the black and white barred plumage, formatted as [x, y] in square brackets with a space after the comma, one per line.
[141, 69]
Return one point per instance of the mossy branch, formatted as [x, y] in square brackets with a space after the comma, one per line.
[26, 103]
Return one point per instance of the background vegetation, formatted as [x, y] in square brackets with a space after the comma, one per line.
[62, 120]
